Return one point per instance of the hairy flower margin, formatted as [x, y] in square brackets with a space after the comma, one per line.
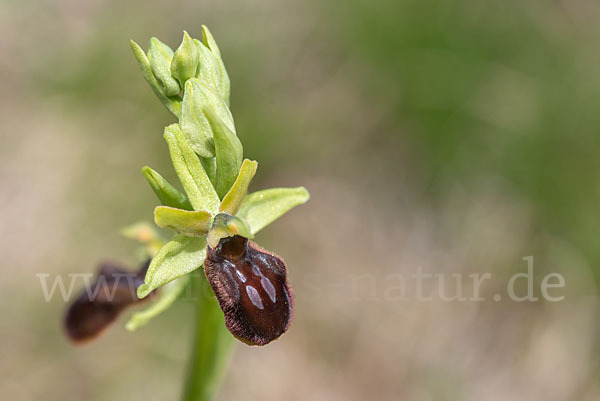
[214, 214]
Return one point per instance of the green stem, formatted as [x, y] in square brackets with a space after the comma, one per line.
[211, 347]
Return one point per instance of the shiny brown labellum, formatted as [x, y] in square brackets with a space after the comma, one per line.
[251, 287]
[99, 305]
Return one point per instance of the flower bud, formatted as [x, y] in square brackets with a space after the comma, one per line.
[160, 56]
[102, 302]
[185, 60]
[252, 289]
[198, 97]
[223, 77]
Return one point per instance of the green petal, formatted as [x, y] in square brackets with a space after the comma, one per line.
[189, 169]
[160, 56]
[178, 257]
[228, 150]
[191, 223]
[166, 193]
[261, 208]
[233, 200]
[198, 97]
[173, 103]
[167, 295]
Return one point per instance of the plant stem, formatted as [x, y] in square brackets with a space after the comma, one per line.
[211, 347]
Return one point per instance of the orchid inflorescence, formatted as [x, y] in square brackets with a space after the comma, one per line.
[214, 217]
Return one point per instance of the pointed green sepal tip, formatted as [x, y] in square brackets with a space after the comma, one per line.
[143, 291]
[212, 68]
[209, 41]
[232, 201]
[191, 223]
[166, 193]
[209, 70]
[138, 52]
[185, 60]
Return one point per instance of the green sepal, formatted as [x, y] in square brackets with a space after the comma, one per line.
[232, 201]
[191, 223]
[210, 166]
[197, 97]
[160, 56]
[172, 103]
[225, 83]
[167, 194]
[180, 256]
[185, 60]
[165, 298]
[226, 225]
[261, 208]
[189, 169]
[208, 68]
[229, 153]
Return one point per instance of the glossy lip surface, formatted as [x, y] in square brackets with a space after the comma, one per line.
[251, 287]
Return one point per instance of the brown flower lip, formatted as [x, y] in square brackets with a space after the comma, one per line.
[99, 305]
[251, 287]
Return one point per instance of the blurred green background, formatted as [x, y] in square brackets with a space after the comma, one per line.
[454, 136]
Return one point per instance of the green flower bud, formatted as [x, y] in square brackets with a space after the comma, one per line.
[160, 56]
[223, 82]
[173, 103]
[198, 97]
[185, 60]
[103, 301]
[208, 69]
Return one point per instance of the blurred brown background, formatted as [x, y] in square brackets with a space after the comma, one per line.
[457, 137]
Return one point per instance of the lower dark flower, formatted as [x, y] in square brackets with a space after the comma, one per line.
[251, 287]
[102, 302]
